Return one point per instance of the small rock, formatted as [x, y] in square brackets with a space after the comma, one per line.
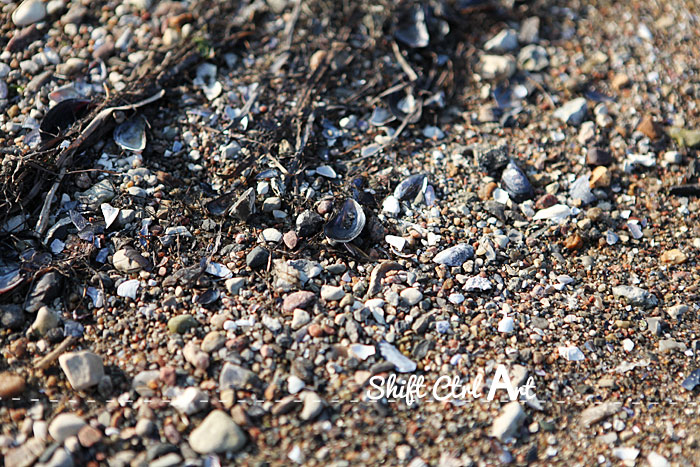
[45, 321]
[257, 257]
[64, 426]
[674, 256]
[182, 323]
[650, 128]
[24, 455]
[271, 204]
[11, 384]
[29, 12]
[300, 318]
[620, 81]
[217, 433]
[635, 295]
[573, 111]
[506, 425]
[455, 256]
[213, 341]
[271, 235]
[71, 66]
[669, 345]
[83, 369]
[657, 460]
[533, 58]
[313, 405]
[128, 260]
[677, 311]
[88, 436]
[191, 400]
[391, 206]
[300, 299]
[308, 223]
[412, 296]
[48, 287]
[11, 317]
[600, 177]
[290, 239]
[599, 412]
[529, 30]
[244, 205]
[331, 293]
[235, 377]
[597, 156]
[194, 355]
[234, 284]
[497, 66]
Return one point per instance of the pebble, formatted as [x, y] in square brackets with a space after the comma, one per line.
[620, 81]
[190, 401]
[11, 317]
[83, 369]
[650, 128]
[234, 285]
[300, 318]
[45, 321]
[182, 323]
[217, 433]
[271, 235]
[506, 425]
[533, 57]
[657, 460]
[455, 256]
[411, 296]
[674, 256]
[635, 295]
[88, 436]
[677, 311]
[128, 260]
[401, 363]
[331, 293]
[65, 425]
[308, 224]
[498, 66]
[295, 384]
[257, 257]
[391, 206]
[29, 12]
[600, 177]
[235, 377]
[573, 111]
[11, 384]
[313, 405]
[598, 156]
[295, 300]
[47, 288]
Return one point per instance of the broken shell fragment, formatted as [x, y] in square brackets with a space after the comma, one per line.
[131, 135]
[61, 116]
[410, 187]
[347, 223]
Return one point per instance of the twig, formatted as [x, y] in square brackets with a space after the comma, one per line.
[43, 221]
[44, 362]
[412, 76]
[246, 108]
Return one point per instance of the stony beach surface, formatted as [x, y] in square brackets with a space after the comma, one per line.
[328, 193]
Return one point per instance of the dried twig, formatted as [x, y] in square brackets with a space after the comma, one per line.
[44, 362]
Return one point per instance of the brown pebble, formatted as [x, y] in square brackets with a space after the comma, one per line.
[315, 330]
[620, 81]
[89, 436]
[600, 178]
[486, 191]
[597, 156]
[650, 128]
[300, 299]
[674, 256]
[546, 201]
[573, 242]
[11, 384]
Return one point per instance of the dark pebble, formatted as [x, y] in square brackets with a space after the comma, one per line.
[597, 156]
[257, 257]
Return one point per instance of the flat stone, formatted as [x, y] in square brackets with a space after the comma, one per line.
[236, 377]
[217, 433]
[182, 323]
[412, 296]
[234, 284]
[300, 299]
[635, 295]
[271, 235]
[455, 256]
[88, 436]
[332, 293]
[64, 426]
[101, 192]
[213, 341]
[143, 381]
[598, 156]
[26, 454]
[45, 290]
[11, 384]
[506, 425]
[128, 260]
[677, 311]
[598, 412]
[191, 400]
[83, 369]
[669, 345]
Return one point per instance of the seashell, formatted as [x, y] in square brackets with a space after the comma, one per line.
[346, 224]
[403, 105]
[515, 182]
[411, 186]
[61, 116]
[208, 297]
[381, 116]
[131, 135]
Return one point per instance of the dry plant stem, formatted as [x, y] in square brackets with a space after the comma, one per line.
[46, 361]
[412, 76]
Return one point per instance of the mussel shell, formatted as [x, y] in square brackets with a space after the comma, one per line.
[516, 183]
[411, 186]
[131, 135]
[61, 116]
[219, 206]
[347, 223]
